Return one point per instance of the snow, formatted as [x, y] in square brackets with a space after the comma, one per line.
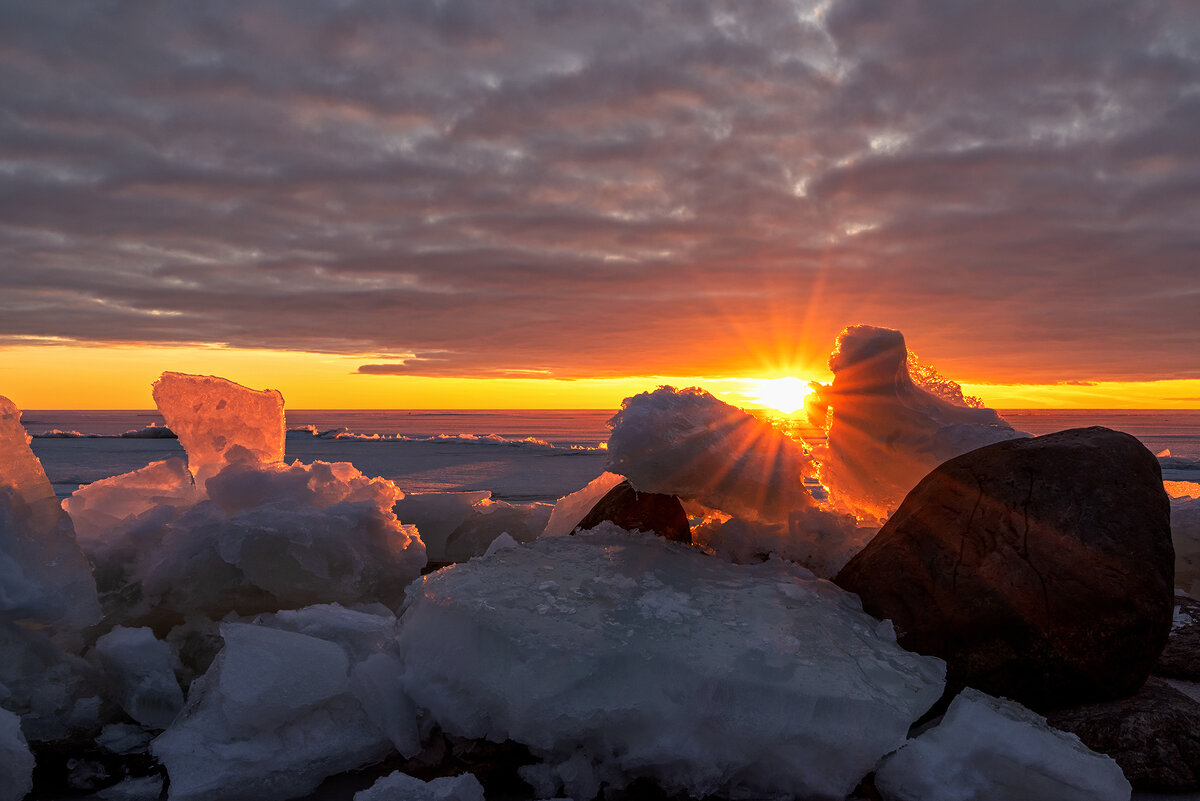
[280, 710]
[219, 422]
[16, 761]
[44, 578]
[885, 432]
[614, 655]
[402, 787]
[989, 749]
[141, 671]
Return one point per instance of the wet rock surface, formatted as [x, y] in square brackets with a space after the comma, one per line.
[1181, 657]
[640, 511]
[1040, 569]
[1153, 735]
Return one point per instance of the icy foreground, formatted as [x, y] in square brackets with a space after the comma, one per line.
[613, 655]
[44, 578]
[290, 700]
[990, 749]
[236, 530]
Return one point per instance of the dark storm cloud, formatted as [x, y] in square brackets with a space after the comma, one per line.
[606, 188]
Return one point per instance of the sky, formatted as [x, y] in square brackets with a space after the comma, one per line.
[477, 204]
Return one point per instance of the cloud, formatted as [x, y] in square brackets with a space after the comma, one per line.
[609, 188]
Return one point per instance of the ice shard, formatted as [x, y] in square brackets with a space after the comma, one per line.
[44, 577]
[219, 422]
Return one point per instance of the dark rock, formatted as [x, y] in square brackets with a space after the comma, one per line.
[640, 511]
[1181, 658]
[1154, 736]
[1040, 569]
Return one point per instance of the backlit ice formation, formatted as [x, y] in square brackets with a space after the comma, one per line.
[688, 443]
[730, 464]
[990, 749]
[251, 534]
[613, 655]
[884, 432]
[289, 701]
[44, 578]
[219, 422]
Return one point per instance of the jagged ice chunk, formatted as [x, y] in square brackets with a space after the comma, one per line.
[990, 749]
[141, 671]
[44, 577]
[219, 422]
[275, 714]
[613, 655]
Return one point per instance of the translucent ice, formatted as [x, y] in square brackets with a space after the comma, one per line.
[16, 761]
[219, 422]
[141, 671]
[570, 509]
[402, 787]
[989, 749]
[688, 443]
[819, 539]
[44, 578]
[456, 526]
[884, 432]
[120, 522]
[613, 655]
[275, 714]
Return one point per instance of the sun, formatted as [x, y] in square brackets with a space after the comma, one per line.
[782, 394]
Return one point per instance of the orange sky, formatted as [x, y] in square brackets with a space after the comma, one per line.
[119, 377]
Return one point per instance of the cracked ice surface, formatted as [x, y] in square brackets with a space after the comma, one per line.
[219, 422]
[290, 700]
[992, 748]
[44, 578]
[614, 656]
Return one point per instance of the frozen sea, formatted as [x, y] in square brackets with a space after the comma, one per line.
[521, 456]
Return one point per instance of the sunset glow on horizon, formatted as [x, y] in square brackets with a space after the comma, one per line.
[119, 377]
[384, 205]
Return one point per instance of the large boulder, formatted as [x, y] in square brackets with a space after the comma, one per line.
[1040, 569]
[640, 511]
[1154, 736]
